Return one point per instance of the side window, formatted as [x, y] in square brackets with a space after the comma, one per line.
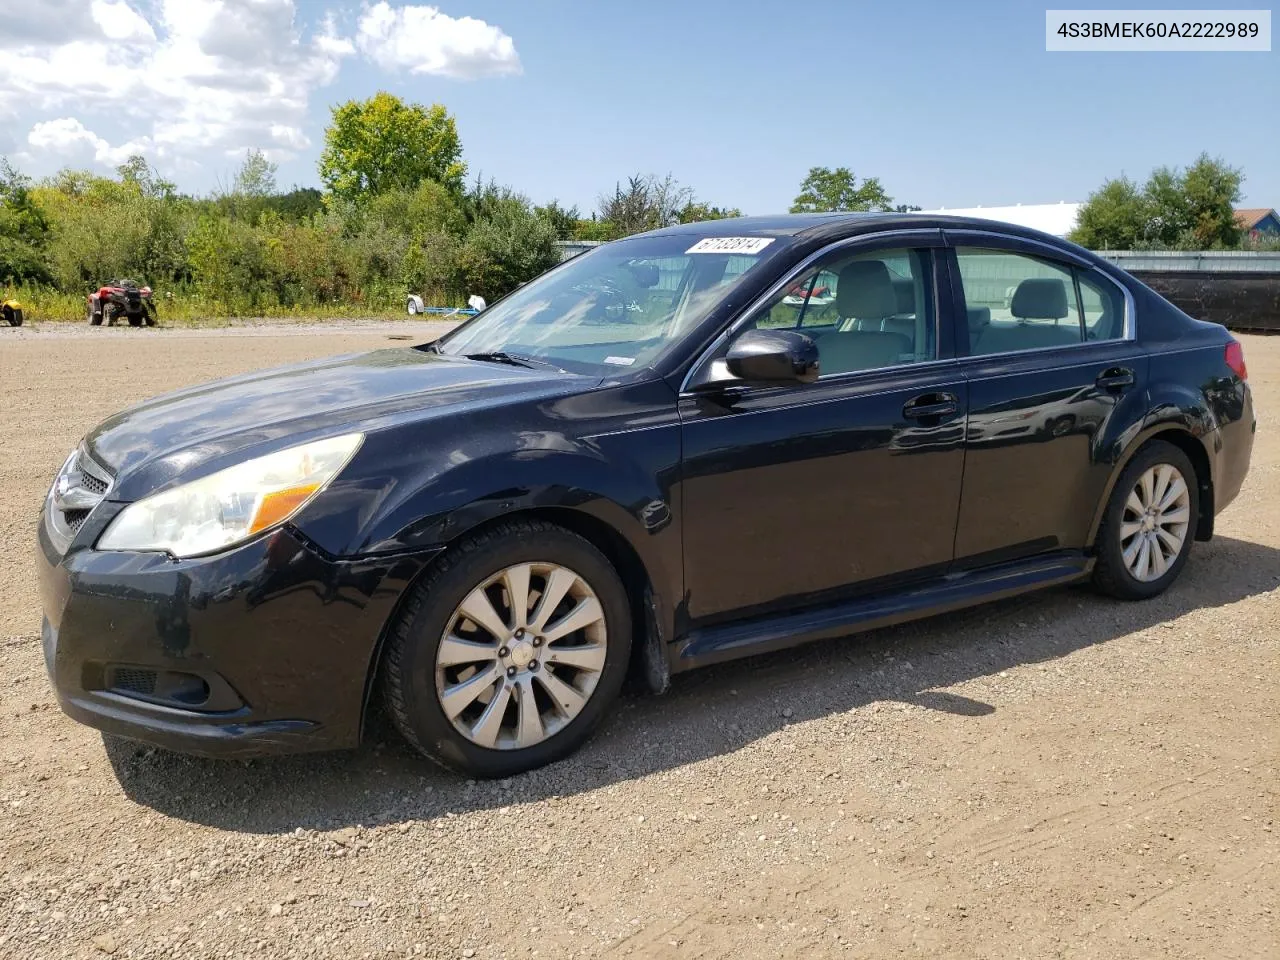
[1017, 302]
[864, 310]
[1103, 306]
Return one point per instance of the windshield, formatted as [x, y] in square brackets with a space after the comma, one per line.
[618, 307]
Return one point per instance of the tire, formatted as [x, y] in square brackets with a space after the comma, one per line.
[413, 309]
[413, 680]
[12, 317]
[93, 316]
[151, 316]
[136, 319]
[109, 314]
[1126, 579]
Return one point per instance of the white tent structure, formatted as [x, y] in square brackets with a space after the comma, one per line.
[1058, 219]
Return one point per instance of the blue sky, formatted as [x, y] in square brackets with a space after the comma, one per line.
[949, 104]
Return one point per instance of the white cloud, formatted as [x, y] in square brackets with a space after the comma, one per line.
[67, 136]
[421, 39]
[120, 22]
[198, 76]
[185, 80]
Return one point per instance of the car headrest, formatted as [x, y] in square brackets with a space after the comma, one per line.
[979, 317]
[864, 290]
[1039, 298]
[905, 291]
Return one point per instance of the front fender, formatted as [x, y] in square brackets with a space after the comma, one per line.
[612, 454]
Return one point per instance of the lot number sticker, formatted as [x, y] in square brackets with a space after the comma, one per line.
[730, 245]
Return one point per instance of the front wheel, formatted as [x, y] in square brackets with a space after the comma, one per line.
[1150, 521]
[509, 651]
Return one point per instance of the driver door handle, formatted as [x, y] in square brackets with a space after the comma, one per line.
[931, 405]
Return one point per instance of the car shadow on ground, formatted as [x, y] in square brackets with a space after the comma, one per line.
[706, 713]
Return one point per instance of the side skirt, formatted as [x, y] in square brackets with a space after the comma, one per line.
[952, 591]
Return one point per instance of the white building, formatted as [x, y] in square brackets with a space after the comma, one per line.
[1058, 219]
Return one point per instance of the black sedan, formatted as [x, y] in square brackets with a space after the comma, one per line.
[696, 444]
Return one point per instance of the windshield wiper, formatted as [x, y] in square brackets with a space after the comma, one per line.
[513, 359]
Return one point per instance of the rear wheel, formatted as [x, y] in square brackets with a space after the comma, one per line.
[509, 652]
[1146, 533]
[109, 313]
[93, 316]
[13, 316]
[137, 319]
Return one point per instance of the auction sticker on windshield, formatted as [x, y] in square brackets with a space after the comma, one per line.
[730, 245]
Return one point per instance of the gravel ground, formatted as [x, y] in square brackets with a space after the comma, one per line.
[1055, 776]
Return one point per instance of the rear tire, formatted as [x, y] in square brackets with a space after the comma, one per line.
[1153, 510]
[93, 316]
[13, 317]
[109, 314]
[136, 319]
[420, 673]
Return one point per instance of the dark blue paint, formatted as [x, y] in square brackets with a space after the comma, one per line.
[746, 517]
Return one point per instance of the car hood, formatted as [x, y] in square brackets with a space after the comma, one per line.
[174, 435]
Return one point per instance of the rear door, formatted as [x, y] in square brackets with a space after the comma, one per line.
[793, 494]
[1053, 372]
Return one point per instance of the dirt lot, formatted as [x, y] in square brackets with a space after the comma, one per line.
[1058, 776]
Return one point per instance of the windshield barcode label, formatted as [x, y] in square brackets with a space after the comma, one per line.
[730, 245]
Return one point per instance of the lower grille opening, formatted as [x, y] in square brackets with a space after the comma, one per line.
[74, 519]
[162, 686]
[129, 680]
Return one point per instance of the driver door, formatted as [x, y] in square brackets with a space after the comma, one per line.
[803, 493]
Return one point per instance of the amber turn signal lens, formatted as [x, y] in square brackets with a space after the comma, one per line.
[277, 505]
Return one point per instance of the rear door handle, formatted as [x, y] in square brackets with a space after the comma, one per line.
[931, 405]
[1115, 378]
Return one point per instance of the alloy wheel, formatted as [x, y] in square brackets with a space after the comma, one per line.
[1155, 523]
[521, 656]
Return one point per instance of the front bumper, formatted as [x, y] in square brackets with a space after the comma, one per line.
[272, 643]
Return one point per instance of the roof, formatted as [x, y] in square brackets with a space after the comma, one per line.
[1250, 217]
[831, 226]
[1057, 219]
[777, 225]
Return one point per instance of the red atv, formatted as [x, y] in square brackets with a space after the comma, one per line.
[121, 298]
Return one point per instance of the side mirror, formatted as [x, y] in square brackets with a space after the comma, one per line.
[773, 356]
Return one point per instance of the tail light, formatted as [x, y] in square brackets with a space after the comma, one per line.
[1235, 360]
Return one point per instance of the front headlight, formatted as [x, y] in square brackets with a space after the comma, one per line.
[232, 505]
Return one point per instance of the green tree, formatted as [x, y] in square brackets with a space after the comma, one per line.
[825, 190]
[300, 203]
[1212, 189]
[695, 211]
[382, 144]
[138, 173]
[256, 176]
[563, 221]
[1190, 209]
[509, 246]
[1114, 217]
[24, 229]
